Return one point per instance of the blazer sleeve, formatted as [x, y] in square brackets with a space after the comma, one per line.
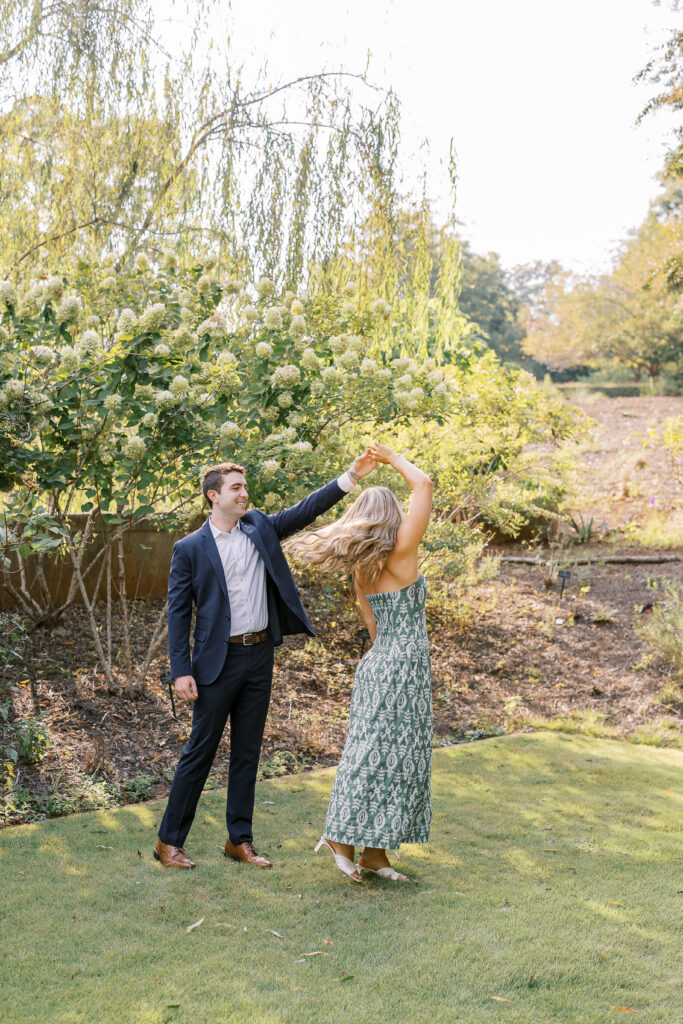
[290, 520]
[180, 597]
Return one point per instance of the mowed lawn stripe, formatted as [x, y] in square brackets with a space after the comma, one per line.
[552, 881]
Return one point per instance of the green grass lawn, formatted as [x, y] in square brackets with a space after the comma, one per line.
[552, 882]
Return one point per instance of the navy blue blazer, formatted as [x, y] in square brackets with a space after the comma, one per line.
[197, 577]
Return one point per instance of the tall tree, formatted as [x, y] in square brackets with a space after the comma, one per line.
[108, 141]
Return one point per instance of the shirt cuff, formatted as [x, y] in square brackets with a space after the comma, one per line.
[345, 482]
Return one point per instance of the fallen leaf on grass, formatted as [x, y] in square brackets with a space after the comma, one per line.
[222, 924]
[616, 904]
[295, 988]
[328, 942]
[273, 932]
[316, 952]
[272, 802]
[98, 847]
[548, 850]
[139, 853]
[192, 927]
[626, 1009]
[500, 999]
[345, 977]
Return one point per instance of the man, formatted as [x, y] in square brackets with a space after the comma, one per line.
[235, 573]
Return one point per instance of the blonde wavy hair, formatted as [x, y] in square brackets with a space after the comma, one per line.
[363, 538]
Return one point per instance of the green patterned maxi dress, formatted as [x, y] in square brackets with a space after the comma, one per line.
[381, 793]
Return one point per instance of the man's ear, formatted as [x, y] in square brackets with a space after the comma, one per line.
[212, 495]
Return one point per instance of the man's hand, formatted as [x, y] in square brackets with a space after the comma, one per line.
[364, 464]
[186, 688]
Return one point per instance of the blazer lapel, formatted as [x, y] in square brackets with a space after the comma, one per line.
[257, 540]
[214, 557]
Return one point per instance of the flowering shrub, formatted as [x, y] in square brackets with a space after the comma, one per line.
[112, 402]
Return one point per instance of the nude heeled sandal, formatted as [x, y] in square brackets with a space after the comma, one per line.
[389, 873]
[346, 866]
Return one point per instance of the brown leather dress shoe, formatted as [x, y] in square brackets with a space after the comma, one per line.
[246, 853]
[172, 856]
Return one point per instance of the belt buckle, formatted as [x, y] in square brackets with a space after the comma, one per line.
[246, 643]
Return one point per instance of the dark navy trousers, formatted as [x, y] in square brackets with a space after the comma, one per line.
[242, 694]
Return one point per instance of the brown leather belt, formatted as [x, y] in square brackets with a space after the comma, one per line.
[249, 639]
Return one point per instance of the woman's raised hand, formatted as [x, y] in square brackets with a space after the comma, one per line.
[382, 453]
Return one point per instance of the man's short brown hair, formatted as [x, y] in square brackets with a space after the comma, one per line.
[213, 477]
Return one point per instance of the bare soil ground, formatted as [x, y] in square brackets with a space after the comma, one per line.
[517, 653]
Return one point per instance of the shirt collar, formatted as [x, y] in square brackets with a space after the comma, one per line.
[223, 533]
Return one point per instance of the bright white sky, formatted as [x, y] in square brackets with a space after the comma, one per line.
[537, 95]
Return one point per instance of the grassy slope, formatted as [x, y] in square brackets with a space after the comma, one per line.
[98, 934]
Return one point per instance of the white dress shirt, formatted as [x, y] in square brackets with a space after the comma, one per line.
[245, 575]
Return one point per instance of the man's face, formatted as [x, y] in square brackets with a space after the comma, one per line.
[232, 498]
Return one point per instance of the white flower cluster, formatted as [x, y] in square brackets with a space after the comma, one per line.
[204, 282]
[270, 414]
[226, 360]
[93, 322]
[149, 420]
[43, 354]
[33, 301]
[250, 313]
[348, 360]
[297, 326]
[161, 349]
[14, 388]
[214, 327]
[228, 431]
[109, 282]
[286, 376]
[183, 336]
[126, 321]
[348, 308]
[233, 286]
[179, 385]
[41, 401]
[8, 294]
[273, 318]
[338, 343]
[141, 262]
[264, 350]
[368, 367]
[89, 341]
[301, 447]
[285, 400]
[144, 392]
[169, 260]
[296, 308]
[68, 310]
[309, 359]
[272, 501]
[285, 436]
[269, 468]
[350, 289]
[264, 286]
[381, 307]
[295, 419]
[113, 403]
[70, 358]
[435, 377]
[54, 289]
[153, 317]
[165, 400]
[333, 375]
[135, 447]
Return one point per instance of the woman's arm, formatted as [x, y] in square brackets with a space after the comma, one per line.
[412, 529]
[366, 610]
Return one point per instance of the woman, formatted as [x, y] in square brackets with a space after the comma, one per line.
[381, 793]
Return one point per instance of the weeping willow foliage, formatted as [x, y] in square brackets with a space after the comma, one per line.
[109, 142]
